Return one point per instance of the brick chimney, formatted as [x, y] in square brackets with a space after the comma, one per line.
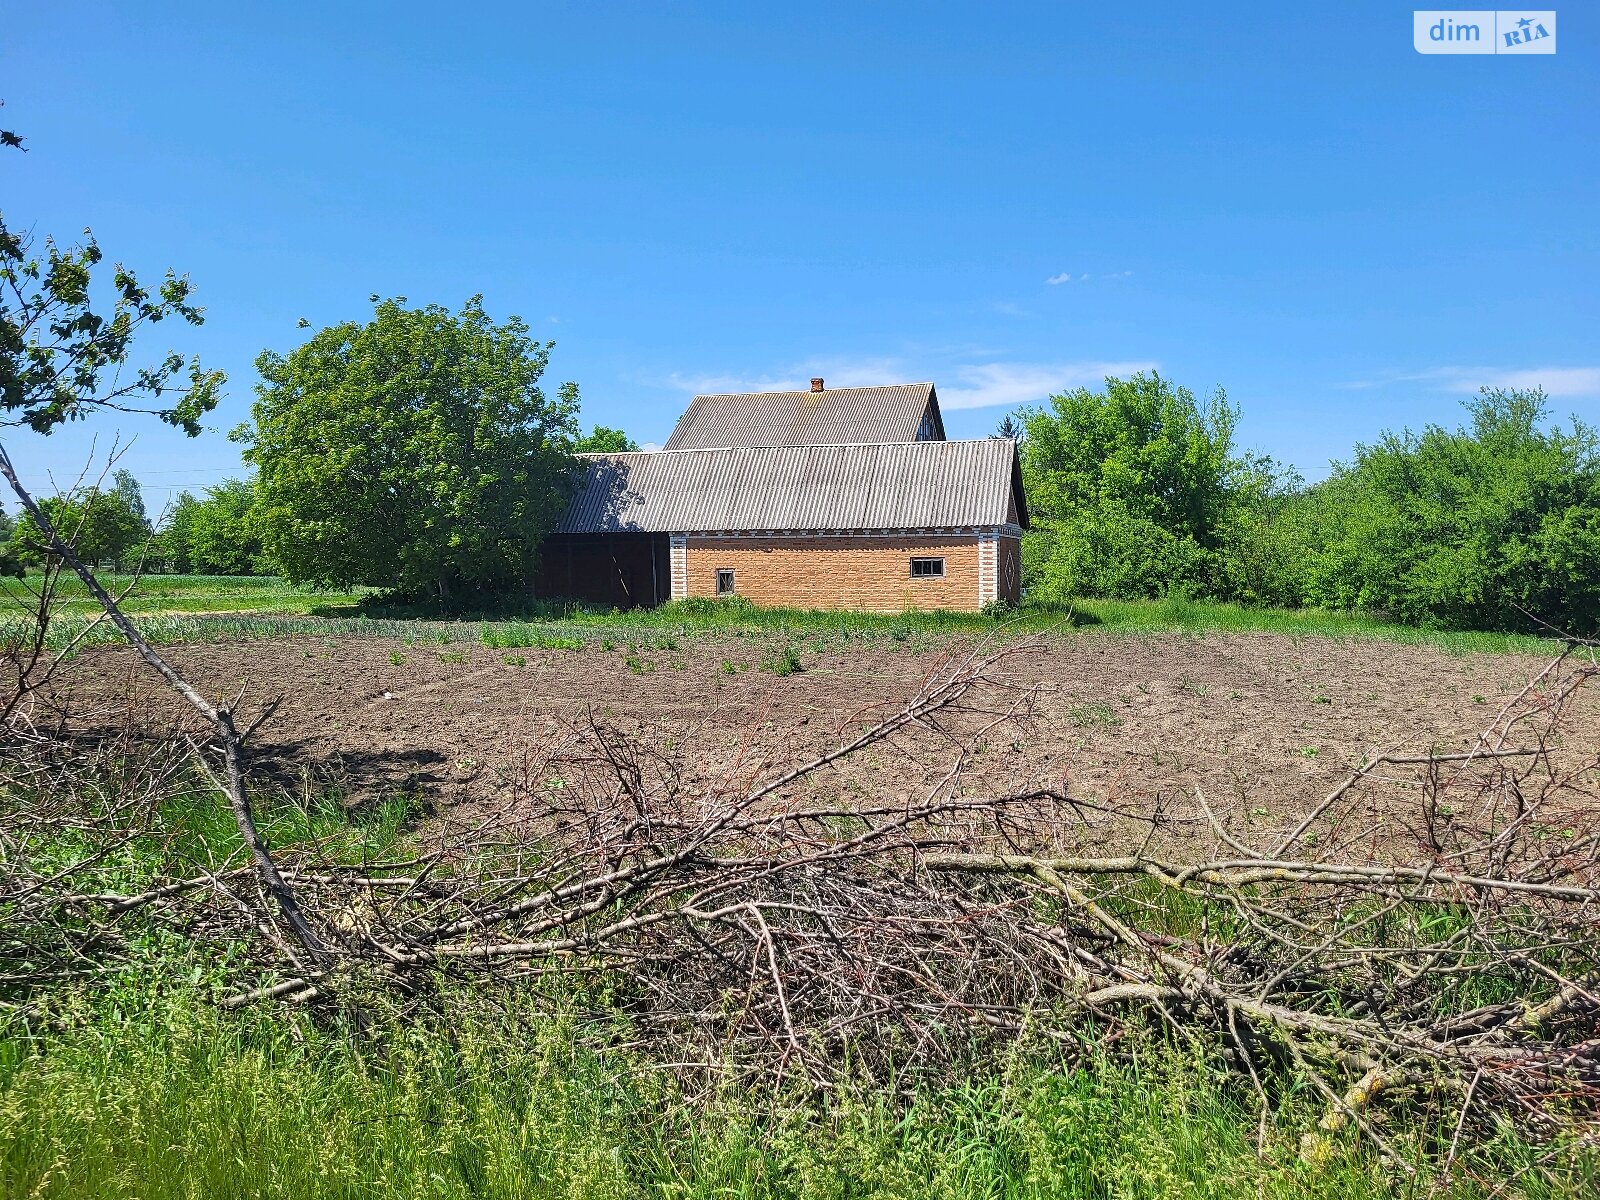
[816, 384]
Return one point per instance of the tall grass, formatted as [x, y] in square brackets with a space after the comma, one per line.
[156, 1095]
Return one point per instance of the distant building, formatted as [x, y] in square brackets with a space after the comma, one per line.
[844, 498]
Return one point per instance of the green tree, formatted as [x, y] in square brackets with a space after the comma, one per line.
[601, 440]
[100, 526]
[132, 496]
[415, 452]
[1129, 489]
[177, 534]
[10, 559]
[1267, 536]
[222, 535]
[1473, 527]
[55, 349]
[62, 357]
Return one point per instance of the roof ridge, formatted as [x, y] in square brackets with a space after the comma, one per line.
[865, 387]
[808, 446]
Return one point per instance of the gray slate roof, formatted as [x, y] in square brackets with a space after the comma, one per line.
[837, 416]
[906, 485]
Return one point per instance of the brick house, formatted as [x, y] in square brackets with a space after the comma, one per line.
[841, 498]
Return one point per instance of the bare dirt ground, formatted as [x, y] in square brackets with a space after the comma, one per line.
[1264, 724]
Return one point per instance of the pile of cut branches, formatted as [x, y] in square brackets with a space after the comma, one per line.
[1426, 934]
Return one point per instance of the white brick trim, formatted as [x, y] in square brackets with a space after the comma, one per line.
[678, 557]
[988, 568]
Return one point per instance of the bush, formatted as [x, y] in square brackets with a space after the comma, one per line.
[1496, 526]
[1128, 489]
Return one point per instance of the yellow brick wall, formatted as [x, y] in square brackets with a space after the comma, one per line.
[869, 573]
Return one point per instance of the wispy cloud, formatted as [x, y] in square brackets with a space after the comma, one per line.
[989, 385]
[1069, 277]
[964, 385]
[1007, 308]
[839, 372]
[1559, 383]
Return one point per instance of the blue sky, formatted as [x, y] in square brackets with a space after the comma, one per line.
[1284, 200]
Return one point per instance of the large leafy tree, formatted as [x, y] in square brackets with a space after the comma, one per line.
[222, 536]
[1479, 526]
[132, 495]
[177, 533]
[215, 534]
[416, 451]
[1129, 488]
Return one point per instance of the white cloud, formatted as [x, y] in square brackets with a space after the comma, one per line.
[988, 385]
[966, 385]
[839, 372]
[711, 385]
[1558, 382]
[1069, 277]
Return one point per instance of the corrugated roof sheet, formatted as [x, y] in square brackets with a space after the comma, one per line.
[834, 417]
[905, 485]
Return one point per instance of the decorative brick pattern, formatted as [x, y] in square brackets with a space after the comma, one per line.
[1009, 583]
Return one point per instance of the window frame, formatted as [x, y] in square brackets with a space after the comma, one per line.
[733, 582]
[929, 560]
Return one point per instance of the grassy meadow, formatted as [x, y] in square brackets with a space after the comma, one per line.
[179, 608]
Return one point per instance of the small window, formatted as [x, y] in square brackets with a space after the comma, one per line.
[724, 582]
[927, 568]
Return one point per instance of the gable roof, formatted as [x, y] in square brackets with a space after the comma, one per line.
[904, 485]
[834, 417]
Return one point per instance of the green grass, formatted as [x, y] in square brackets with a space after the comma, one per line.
[515, 635]
[173, 608]
[206, 594]
[153, 1093]
[1197, 616]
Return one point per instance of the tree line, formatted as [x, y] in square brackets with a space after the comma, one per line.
[416, 452]
[110, 528]
[419, 452]
[1139, 490]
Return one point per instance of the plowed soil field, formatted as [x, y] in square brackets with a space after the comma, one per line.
[1263, 724]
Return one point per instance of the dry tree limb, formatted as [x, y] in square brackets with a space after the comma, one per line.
[232, 781]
